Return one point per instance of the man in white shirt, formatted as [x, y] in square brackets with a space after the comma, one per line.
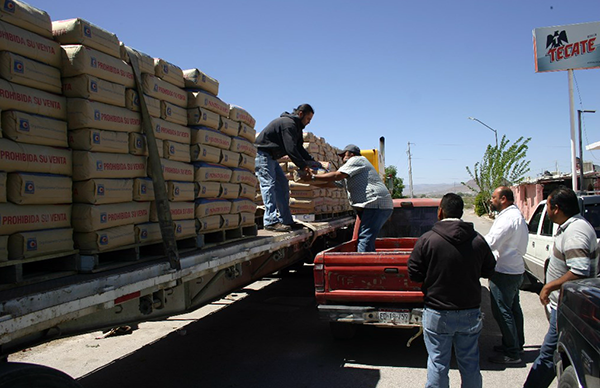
[508, 239]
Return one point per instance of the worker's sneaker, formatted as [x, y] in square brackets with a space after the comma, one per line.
[502, 359]
[295, 226]
[278, 227]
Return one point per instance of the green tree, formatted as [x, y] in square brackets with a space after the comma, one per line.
[501, 165]
[396, 184]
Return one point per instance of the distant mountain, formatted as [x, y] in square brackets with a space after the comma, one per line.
[438, 190]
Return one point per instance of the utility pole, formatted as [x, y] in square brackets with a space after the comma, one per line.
[410, 182]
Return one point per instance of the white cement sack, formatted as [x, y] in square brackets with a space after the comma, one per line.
[148, 233]
[99, 141]
[132, 102]
[230, 221]
[24, 71]
[173, 113]
[184, 229]
[229, 158]
[38, 189]
[77, 60]
[145, 61]
[95, 89]
[179, 211]
[247, 162]
[196, 79]
[242, 205]
[89, 165]
[211, 207]
[229, 190]
[240, 114]
[157, 88]
[247, 191]
[176, 171]
[207, 101]
[239, 175]
[208, 172]
[302, 194]
[34, 158]
[105, 240]
[80, 31]
[176, 151]
[27, 17]
[211, 137]
[247, 132]
[168, 72]
[30, 100]
[180, 191]
[3, 248]
[229, 127]
[103, 191]
[23, 218]
[84, 113]
[307, 203]
[243, 146]
[29, 44]
[205, 153]
[138, 145]
[33, 129]
[203, 117]
[143, 190]
[165, 130]
[3, 197]
[210, 223]
[207, 189]
[89, 218]
[247, 219]
[26, 245]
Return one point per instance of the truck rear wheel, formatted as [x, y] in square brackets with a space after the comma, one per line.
[21, 375]
[568, 379]
[342, 330]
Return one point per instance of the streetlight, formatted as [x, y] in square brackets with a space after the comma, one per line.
[579, 113]
[492, 129]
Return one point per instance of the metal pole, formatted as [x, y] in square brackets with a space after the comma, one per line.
[572, 114]
[410, 182]
[580, 153]
[484, 124]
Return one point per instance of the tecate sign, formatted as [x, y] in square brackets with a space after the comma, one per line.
[574, 46]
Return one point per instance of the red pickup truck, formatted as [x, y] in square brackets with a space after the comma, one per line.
[373, 288]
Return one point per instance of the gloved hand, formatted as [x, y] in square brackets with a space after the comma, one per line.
[314, 164]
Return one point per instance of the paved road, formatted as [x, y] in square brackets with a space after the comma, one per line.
[269, 335]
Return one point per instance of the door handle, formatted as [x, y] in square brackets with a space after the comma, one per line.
[391, 270]
[533, 244]
[547, 247]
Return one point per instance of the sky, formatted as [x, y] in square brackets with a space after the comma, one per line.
[411, 71]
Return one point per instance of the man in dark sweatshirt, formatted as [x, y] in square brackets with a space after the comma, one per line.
[283, 136]
[449, 260]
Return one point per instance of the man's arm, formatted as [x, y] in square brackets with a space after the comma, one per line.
[417, 269]
[555, 285]
[292, 147]
[329, 176]
[499, 233]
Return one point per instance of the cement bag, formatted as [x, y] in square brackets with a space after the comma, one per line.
[138, 145]
[247, 219]
[145, 61]
[180, 191]
[29, 44]
[242, 205]
[168, 72]
[3, 198]
[176, 171]
[243, 146]
[239, 175]
[105, 240]
[311, 148]
[89, 165]
[230, 221]
[297, 186]
[90, 114]
[38, 189]
[203, 117]
[26, 245]
[184, 229]
[176, 151]
[79, 31]
[32, 129]
[173, 113]
[229, 127]
[207, 101]
[247, 132]
[203, 135]
[211, 207]
[77, 60]
[165, 130]
[34, 158]
[29, 100]
[23, 218]
[229, 158]
[229, 190]
[207, 189]
[305, 194]
[307, 204]
[205, 153]
[247, 162]
[24, 71]
[247, 191]
[95, 89]
[208, 224]
[148, 233]
[162, 90]
[240, 114]
[103, 191]
[89, 218]
[143, 190]
[208, 172]
[132, 102]
[3, 248]
[179, 211]
[196, 79]
[99, 141]
[27, 17]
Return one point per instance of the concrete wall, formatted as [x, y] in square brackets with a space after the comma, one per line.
[527, 196]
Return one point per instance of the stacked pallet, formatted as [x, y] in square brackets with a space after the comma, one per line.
[35, 163]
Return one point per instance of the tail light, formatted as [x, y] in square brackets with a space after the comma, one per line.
[319, 274]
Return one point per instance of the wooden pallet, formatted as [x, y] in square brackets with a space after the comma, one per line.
[223, 236]
[37, 269]
[94, 261]
[156, 249]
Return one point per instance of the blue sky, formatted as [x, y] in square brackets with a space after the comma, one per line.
[412, 71]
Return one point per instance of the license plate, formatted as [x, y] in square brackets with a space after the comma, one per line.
[400, 318]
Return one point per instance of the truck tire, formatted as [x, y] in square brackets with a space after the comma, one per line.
[342, 330]
[568, 379]
[21, 375]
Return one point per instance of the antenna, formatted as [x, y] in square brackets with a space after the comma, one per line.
[410, 181]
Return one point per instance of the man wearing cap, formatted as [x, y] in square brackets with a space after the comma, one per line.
[367, 194]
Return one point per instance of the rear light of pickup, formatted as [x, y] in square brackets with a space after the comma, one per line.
[319, 274]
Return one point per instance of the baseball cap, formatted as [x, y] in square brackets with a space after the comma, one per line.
[352, 148]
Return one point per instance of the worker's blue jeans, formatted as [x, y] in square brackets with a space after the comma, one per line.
[542, 371]
[371, 221]
[274, 188]
[506, 309]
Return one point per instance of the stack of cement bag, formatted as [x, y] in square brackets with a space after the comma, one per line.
[35, 163]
